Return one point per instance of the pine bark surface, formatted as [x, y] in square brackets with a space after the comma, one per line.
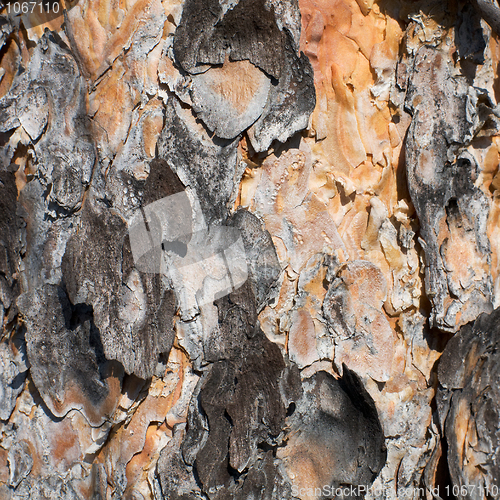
[249, 249]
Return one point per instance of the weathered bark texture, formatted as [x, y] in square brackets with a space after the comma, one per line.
[249, 250]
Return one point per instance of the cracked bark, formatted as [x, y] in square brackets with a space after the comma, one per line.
[249, 249]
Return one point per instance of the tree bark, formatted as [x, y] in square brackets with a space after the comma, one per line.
[249, 250]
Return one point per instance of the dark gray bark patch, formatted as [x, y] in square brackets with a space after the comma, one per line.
[133, 311]
[238, 411]
[9, 241]
[441, 180]
[207, 166]
[207, 35]
[176, 478]
[469, 36]
[12, 376]
[264, 481]
[64, 364]
[44, 234]
[289, 104]
[264, 268]
[275, 105]
[490, 11]
[52, 85]
[336, 424]
[468, 397]
[212, 460]
[161, 182]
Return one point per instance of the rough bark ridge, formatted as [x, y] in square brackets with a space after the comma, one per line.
[249, 249]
